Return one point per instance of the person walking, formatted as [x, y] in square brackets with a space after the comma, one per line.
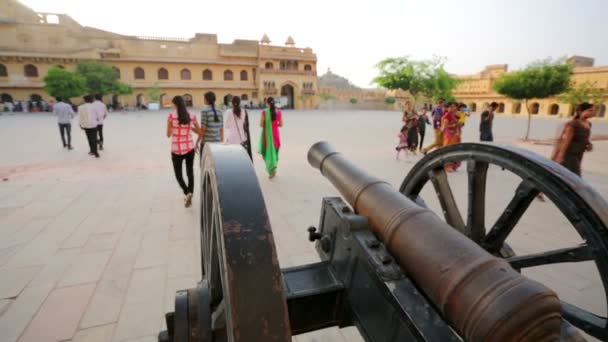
[485, 125]
[410, 118]
[212, 123]
[102, 112]
[451, 131]
[236, 126]
[437, 114]
[65, 114]
[575, 139]
[270, 139]
[180, 126]
[423, 120]
[89, 121]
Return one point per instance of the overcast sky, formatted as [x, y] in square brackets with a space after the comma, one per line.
[350, 37]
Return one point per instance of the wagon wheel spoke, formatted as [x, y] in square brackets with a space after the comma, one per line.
[439, 178]
[572, 254]
[589, 322]
[524, 195]
[218, 318]
[477, 174]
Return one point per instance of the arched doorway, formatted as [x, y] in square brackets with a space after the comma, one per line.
[115, 102]
[288, 92]
[165, 101]
[6, 98]
[601, 110]
[139, 101]
[228, 100]
[571, 110]
[501, 108]
[472, 107]
[534, 108]
[188, 100]
[516, 108]
[554, 109]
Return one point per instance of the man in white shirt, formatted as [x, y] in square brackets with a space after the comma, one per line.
[101, 112]
[65, 114]
[89, 120]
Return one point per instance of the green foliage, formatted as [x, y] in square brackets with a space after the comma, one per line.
[153, 93]
[425, 79]
[100, 78]
[538, 80]
[63, 83]
[122, 89]
[390, 100]
[584, 92]
[354, 100]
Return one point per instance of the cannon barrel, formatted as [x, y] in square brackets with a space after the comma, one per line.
[481, 296]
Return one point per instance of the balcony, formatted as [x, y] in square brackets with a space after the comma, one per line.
[287, 72]
[308, 92]
[271, 91]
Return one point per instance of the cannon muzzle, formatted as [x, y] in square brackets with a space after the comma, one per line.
[481, 296]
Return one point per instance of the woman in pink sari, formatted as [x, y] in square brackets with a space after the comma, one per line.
[451, 136]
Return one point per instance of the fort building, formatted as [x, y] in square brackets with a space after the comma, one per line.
[477, 91]
[32, 42]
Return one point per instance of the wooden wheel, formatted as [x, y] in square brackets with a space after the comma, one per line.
[241, 271]
[586, 211]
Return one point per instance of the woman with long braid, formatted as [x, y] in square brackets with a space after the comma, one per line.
[270, 139]
[212, 123]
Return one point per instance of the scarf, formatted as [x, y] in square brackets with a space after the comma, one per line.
[266, 145]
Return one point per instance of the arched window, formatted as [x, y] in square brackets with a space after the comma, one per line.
[554, 109]
[228, 75]
[517, 108]
[601, 110]
[269, 66]
[117, 71]
[207, 75]
[163, 74]
[185, 74]
[30, 71]
[535, 108]
[244, 97]
[139, 73]
[244, 75]
[3, 72]
[308, 67]
[501, 108]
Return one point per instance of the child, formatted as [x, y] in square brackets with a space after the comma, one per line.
[403, 141]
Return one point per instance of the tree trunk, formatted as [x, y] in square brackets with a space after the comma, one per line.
[529, 120]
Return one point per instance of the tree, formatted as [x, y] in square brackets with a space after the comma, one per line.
[584, 92]
[153, 93]
[424, 79]
[63, 83]
[100, 78]
[390, 100]
[538, 80]
[354, 100]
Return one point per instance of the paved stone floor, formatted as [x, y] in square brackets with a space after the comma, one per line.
[94, 249]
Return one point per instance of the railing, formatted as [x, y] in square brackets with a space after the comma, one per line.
[291, 72]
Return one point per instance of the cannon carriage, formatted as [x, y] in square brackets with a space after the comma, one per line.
[389, 265]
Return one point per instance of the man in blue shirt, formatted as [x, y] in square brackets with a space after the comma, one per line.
[438, 112]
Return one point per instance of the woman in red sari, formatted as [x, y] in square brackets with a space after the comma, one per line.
[451, 136]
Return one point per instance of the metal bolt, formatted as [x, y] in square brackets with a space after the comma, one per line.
[373, 243]
[386, 259]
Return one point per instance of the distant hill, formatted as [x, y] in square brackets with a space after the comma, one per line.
[329, 79]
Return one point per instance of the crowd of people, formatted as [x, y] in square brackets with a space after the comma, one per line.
[230, 127]
[449, 118]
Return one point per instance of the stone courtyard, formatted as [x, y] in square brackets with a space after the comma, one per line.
[94, 249]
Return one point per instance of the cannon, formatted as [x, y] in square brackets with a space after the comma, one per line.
[389, 265]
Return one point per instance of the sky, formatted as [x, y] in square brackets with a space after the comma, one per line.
[350, 37]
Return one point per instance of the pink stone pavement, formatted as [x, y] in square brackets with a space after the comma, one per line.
[94, 249]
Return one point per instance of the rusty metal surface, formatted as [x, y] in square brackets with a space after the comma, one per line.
[579, 203]
[481, 296]
[239, 242]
